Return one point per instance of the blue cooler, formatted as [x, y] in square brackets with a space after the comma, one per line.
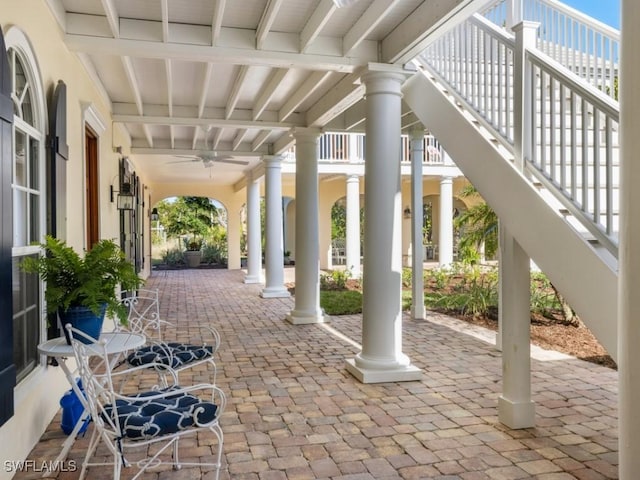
[72, 411]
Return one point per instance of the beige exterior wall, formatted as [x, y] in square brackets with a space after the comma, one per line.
[37, 397]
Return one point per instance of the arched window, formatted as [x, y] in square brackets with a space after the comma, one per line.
[28, 195]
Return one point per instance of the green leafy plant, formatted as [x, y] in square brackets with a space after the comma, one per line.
[335, 280]
[194, 244]
[407, 277]
[173, 257]
[88, 281]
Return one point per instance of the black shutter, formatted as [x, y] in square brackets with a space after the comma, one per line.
[7, 368]
[57, 155]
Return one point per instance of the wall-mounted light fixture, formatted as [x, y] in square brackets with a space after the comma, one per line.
[407, 212]
[154, 215]
[125, 199]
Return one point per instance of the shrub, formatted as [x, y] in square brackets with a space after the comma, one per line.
[465, 290]
[214, 253]
[173, 257]
[335, 280]
[407, 277]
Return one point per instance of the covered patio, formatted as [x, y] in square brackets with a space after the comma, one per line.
[294, 411]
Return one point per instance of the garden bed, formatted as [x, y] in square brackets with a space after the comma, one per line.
[471, 295]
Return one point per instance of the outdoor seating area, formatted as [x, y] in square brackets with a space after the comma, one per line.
[293, 411]
[136, 418]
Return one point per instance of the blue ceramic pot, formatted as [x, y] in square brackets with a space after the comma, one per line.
[83, 319]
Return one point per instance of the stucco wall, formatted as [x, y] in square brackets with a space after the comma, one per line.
[36, 397]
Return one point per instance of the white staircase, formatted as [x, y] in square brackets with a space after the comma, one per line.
[561, 202]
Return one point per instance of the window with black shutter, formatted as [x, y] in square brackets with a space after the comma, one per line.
[7, 366]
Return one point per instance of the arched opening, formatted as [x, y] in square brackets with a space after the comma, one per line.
[189, 232]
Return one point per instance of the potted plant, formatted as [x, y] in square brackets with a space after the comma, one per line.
[193, 255]
[83, 289]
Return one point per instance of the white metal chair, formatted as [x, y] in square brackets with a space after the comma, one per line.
[338, 251]
[159, 417]
[144, 317]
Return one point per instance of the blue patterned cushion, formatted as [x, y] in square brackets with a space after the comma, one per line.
[176, 354]
[147, 419]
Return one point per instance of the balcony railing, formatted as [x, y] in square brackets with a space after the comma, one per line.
[350, 148]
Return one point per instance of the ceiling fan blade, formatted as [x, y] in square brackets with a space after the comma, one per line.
[184, 161]
[230, 160]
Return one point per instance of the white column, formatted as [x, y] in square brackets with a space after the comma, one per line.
[274, 254]
[445, 239]
[353, 225]
[515, 407]
[501, 293]
[234, 206]
[381, 358]
[417, 280]
[629, 256]
[307, 296]
[288, 244]
[254, 237]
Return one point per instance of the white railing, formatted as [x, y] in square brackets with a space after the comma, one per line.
[350, 148]
[572, 142]
[342, 147]
[432, 151]
[476, 59]
[582, 44]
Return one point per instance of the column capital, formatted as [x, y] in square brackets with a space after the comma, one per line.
[446, 179]
[301, 133]
[353, 177]
[273, 161]
[417, 132]
[384, 78]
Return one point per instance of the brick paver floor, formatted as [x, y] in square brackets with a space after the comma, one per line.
[294, 413]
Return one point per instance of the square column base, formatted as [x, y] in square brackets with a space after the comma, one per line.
[304, 318]
[407, 373]
[253, 279]
[516, 414]
[277, 292]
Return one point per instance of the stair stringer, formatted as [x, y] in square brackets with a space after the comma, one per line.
[585, 279]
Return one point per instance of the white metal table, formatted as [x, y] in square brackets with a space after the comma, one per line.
[58, 348]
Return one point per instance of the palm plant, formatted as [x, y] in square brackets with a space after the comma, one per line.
[478, 224]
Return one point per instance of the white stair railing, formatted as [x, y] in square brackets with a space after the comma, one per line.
[586, 46]
[572, 140]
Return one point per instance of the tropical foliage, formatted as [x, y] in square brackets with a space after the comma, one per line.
[89, 281]
[478, 226]
[198, 224]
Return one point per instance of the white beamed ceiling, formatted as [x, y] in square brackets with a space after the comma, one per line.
[239, 74]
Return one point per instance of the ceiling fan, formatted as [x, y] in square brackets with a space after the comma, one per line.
[209, 157]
